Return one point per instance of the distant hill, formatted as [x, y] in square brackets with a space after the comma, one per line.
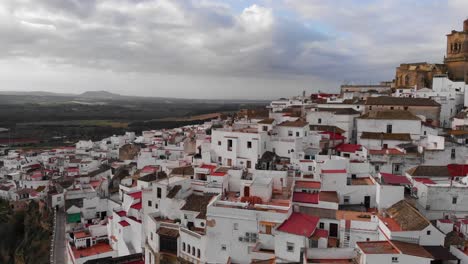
[100, 95]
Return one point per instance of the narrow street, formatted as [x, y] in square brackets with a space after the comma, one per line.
[59, 239]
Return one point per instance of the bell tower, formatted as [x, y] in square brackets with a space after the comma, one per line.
[456, 57]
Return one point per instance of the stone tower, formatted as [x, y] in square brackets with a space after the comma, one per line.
[456, 58]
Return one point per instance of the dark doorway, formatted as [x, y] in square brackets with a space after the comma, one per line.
[367, 201]
[333, 230]
[88, 242]
[168, 244]
[246, 191]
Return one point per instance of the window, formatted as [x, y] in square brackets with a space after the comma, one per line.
[220, 159]
[193, 251]
[346, 199]
[183, 246]
[289, 247]
[385, 146]
[223, 247]
[236, 226]
[313, 243]
[377, 168]
[149, 203]
[319, 120]
[265, 128]
[290, 133]
[198, 253]
[249, 164]
[158, 192]
[151, 235]
[309, 168]
[452, 155]
[406, 108]
[370, 107]
[397, 167]
[321, 225]
[391, 107]
[156, 205]
[188, 248]
[454, 200]
[394, 259]
[219, 143]
[389, 129]
[428, 232]
[297, 134]
[229, 145]
[249, 144]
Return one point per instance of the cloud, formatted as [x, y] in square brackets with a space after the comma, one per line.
[304, 43]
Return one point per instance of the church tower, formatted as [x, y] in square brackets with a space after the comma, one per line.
[456, 58]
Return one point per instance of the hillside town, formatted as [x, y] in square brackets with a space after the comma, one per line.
[372, 174]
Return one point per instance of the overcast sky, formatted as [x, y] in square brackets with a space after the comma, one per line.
[216, 48]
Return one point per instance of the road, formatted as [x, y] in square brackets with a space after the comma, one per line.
[59, 238]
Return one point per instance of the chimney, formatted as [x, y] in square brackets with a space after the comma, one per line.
[465, 25]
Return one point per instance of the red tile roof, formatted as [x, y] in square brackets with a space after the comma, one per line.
[320, 233]
[121, 213]
[308, 184]
[457, 170]
[136, 206]
[390, 151]
[135, 195]
[302, 197]
[394, 179]
[377, 247]
[352, 148]
[124, 223]
[334, 171]
[299, 224]
[333, 136]
[209, 167]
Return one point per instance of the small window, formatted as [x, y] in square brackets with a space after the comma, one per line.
[428, 232]
[389, 129]
[220, 159]
[156, 205]
[391, 107]
[309, 168]
[265, 128]
[377, 168]
[150, 203]
[193, 251]
[198, 253]
[321, 225]
[290, 133]
[236, 226]
[151, 236]
[297, 134]
[453, 154]
[394, 259]
[370, 107]
[183, 246]
[346, 199]
[289, 247]
[319, 120]
[249, 144]
[454, 200]
[188, 248]
[223, 247]
[219, 143]
[158, 192]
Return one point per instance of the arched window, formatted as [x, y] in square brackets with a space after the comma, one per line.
[193, 251]
[183, 246]
[198, 253]
[188, 248]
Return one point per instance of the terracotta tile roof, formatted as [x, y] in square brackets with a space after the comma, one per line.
[173, 192]
[320, 212]
[424, 180]
[334, 171]
[307, 184]
[352, 148]
[333, 136]
[299, 224]
[411, 249]
[320, 233]
[297, 123]
[427, 170]
[340, 111]
[390, 151]
[326, 128]
[267, 121]
[377, 247]
[401, 101]
[124, 223]
[187, 171]
[197, 203]
[164, 231]
[393, 179]
[407, 216]
[390, 115]
[329, 196]
[386, 136]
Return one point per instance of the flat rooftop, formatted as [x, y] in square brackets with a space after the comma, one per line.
[362, 181]
[99, 248]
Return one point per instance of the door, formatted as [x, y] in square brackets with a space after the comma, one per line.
[367, 201]
[229, 162]
[246, 191]
[88, 242]
[333, 230]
